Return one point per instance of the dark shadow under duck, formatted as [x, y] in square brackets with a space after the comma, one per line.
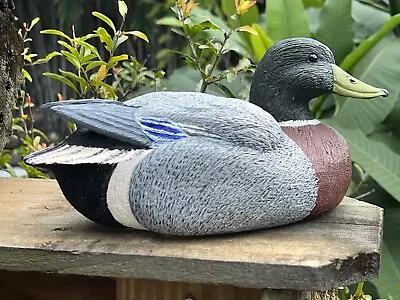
[183, 163]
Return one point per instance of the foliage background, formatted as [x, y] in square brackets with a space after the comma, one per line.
[363, 34]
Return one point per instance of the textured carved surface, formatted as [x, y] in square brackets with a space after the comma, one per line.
[329, 154]
[10, 69]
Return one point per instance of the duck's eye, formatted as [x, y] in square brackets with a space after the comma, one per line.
[313, 58]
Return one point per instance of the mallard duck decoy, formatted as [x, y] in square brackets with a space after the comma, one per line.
[186, 163]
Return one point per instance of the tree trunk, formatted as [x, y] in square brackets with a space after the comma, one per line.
[11, 60]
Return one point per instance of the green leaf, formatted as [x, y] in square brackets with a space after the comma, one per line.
[56, 32]
[209, 25]
[380, 69]
[209, 47]
[33, 23]
[86, 45]
[286, 18]
[27, 58]
[82, 82]
[169, 21]
[41, 133]
[192, 30]
[102, 73]
[388, 282]
[260, 43]
[32, 172]
[381, 163]
[48, 57]
[71, 49]
[86, 37]
[358, 53]
[121, 39]
[160, 74]
[10, 170]
[61, 79]
[87, 59]
[335, 27]
[36, 141]
[367, 20]
[140, 76]
[389, 138]
[28, 140]
[16, 127]
[105, 19]
[4, 159]
[248, 29]
[178, 31]
[106, 86]
[115, 59]
[94, 64]
[138, 34]
[227, 92]
[122, 8]
[394, 116]
[105, 38]
[26, 75]
[264, 36]
[313, 3]
[72, 59]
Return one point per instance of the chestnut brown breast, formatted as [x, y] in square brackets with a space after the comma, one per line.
[330, 157]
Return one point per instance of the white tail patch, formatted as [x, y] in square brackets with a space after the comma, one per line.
[118, 192]
[73, 155]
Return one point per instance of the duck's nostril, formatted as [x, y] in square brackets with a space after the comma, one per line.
[352, 80]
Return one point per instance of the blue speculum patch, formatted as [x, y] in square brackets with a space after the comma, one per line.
[161, 130]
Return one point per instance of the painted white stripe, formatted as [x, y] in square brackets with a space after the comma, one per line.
[298, 123]
[118, 192]
[73, 155]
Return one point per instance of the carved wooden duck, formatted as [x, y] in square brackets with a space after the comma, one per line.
[181, 163]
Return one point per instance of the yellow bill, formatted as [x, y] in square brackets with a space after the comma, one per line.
[346, 85]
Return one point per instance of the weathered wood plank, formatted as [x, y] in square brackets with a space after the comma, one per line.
[44, 233]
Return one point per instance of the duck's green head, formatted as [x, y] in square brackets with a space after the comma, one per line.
[296, 70]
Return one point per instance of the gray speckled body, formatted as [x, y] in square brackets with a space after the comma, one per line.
[221, 188]
[252, 176]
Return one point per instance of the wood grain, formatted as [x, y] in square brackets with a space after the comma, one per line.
[41, 232]
[143, 289]
[39, 286]
[139, 289]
